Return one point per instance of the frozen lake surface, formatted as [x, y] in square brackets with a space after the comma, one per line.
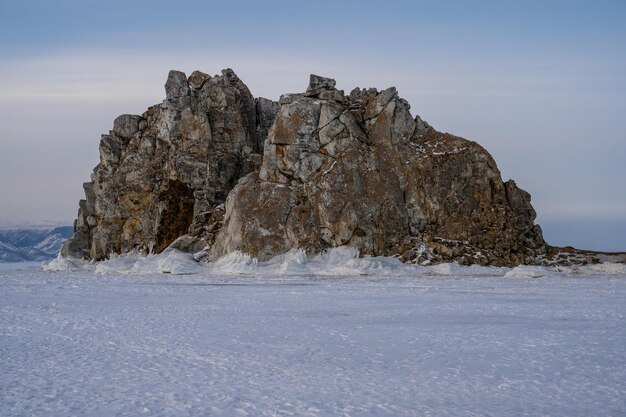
[78, 343]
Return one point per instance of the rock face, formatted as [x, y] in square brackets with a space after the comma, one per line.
[162, 174]
[336, 169]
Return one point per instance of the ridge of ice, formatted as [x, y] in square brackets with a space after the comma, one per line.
[340, 261]
[606, 268]
[454, 268]
[170, 261]
[529, 271]
[66, 264]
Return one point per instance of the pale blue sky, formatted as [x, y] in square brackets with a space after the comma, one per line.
[541, 85]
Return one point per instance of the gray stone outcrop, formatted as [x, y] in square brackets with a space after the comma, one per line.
[362, 171]
[213, 168]
[162, 174]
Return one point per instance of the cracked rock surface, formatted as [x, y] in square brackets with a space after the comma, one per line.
[213, 168]
[360, 170]
[163, 174]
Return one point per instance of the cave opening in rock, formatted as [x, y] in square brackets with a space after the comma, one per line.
[176, 214]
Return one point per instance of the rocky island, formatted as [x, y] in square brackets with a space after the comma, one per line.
[213, 169]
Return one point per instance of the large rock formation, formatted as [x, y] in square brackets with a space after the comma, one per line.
[355, 170]
[162, 174]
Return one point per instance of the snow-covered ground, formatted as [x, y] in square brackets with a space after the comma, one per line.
[369, 338]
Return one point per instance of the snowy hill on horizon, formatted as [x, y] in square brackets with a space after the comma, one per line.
[36, 244]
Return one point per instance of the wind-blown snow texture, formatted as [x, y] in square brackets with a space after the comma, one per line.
[411, 343]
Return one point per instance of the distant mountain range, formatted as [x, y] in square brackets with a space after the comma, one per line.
[25, 244]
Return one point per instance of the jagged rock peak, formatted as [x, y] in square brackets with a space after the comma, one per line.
[197, 79]
[323, 88]
[214, 168]
[317, 84]
[162, 174]
[364, 172]
[177, 89]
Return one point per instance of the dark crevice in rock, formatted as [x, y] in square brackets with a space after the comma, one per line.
[176, 214]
